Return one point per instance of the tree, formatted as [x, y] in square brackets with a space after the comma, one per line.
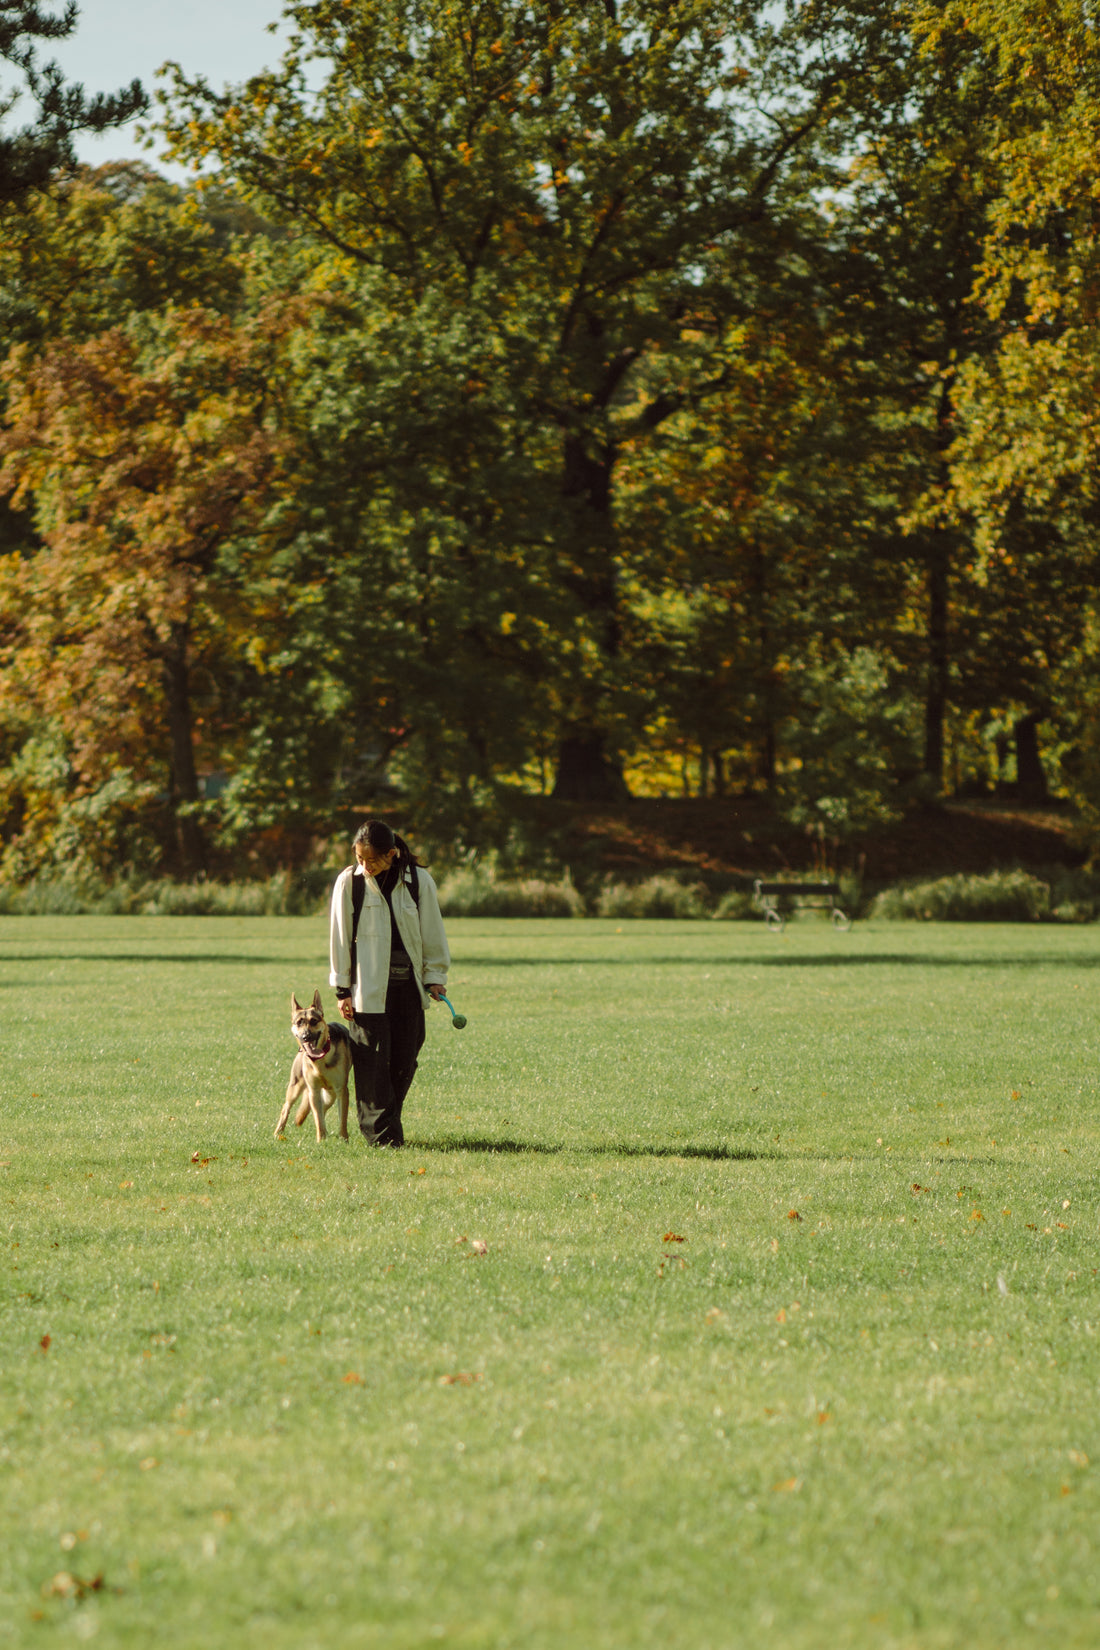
[1025, 458]
[770, 586]
[31, 157]
[571, 178]
[107, 243]
[904, 264]
[147, 451]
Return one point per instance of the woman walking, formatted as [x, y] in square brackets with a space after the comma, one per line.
[389, 954]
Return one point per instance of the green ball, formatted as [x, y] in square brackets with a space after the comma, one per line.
[459, 1021]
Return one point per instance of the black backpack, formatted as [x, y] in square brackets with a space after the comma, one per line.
[358, 894]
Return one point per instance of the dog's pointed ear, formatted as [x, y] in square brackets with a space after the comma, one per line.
[317, 1002]
[295, 1005]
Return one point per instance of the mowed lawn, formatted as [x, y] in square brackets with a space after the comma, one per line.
[785, 1333]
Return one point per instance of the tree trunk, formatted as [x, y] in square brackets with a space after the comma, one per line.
[935, 699]
[587, 772]
[937, 682]
[768, 753]
[1031, 781]
[185, 783]
[766, 674]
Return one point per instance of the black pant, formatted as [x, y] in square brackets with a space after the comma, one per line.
[386, 1064]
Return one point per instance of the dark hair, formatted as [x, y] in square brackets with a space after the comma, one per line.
[381, 837]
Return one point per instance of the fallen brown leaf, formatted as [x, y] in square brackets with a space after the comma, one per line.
[65, 1585]
[463, 1378]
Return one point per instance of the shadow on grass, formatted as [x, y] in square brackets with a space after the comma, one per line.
[709, 1154]
[985, 959]
[263, 960]
[523, 1148]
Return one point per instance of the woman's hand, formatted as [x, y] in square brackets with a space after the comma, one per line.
[347, 1008]
[435, 992]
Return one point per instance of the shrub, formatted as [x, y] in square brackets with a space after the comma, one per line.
[660, 896]
[284, 894]
[737, 905]
[1000, 896]
[481, 893]
[1074, 893]
[45, 897]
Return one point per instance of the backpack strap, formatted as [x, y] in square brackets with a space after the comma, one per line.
[358, 894]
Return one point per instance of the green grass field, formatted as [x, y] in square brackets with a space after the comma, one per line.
[785, 1333]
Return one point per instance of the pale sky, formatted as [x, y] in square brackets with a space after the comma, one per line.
[117, 41]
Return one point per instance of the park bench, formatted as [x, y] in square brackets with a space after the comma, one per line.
[818, 896]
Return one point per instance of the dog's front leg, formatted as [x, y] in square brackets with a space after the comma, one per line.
[317, 1106]
[293, 1089]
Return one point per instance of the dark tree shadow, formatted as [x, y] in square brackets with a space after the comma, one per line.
[709, 1154]
[151, 957]
[716, 1154]
[892, 959]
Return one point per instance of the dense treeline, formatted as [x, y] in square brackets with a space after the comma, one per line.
[577, 399]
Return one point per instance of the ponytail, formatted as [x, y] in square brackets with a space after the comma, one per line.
[382, 837]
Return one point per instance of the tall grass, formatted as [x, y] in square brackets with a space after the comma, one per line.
[1000, 896]
[481, 892]
[1060, 894]
[657, 896]
[284, 893]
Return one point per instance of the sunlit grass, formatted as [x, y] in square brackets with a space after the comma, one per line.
[784, 1334]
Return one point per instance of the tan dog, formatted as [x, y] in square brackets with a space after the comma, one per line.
[319, 1075]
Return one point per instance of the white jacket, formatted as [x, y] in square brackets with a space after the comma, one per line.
[421, 929]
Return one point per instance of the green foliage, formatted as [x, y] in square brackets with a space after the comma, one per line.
[737, 905]
[658, 896]
[31, 156]
[700, 395]
[1001, 896]
[109, 243]
[853, 745]
[285, 894]
[561, 191]
[480, 892]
